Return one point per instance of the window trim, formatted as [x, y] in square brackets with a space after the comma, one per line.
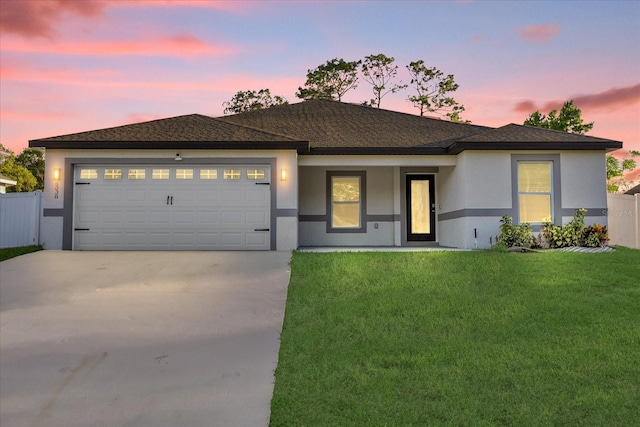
[556, 185]
[363, 201]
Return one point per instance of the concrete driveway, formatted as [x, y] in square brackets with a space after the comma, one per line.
[140, 338]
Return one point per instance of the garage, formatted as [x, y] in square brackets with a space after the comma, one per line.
[171, 207]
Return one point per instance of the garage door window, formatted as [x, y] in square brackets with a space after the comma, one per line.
[88, 173]
[113, 174]
[136, 174]
[232, 174]
[184, 173]
[255, 174]
[160, 174]
[208, 173]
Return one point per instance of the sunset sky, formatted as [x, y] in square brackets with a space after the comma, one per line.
[69, 66]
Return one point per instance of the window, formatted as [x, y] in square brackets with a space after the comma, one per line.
[88, 173]
[232, 174]
[113, 174]
[208, 173]
[346, 201]
[535, 191]
[184, 173]
[160, 174]
[255, 174]
[136, 174]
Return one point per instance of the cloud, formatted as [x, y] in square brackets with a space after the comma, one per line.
[527, 106]
[539, 33]
[612, 98]
[180, 45]
[38, 18]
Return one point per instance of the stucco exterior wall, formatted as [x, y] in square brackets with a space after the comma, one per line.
[379, 214]
[479, 190]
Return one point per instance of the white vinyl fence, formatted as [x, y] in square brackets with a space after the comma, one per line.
[20, 215]
[624, 220]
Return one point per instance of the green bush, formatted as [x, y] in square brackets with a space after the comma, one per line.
[558, 236]
[595, 236]
[514, 235]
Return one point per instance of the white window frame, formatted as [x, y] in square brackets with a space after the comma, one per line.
[556, 185]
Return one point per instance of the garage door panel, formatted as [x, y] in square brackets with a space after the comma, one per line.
[231, 195]
[231, 239]
[210, 217]
[232, 217]
[256, 195]
[138, 195]
[172, 214]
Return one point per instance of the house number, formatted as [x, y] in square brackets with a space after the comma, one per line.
[56, 190]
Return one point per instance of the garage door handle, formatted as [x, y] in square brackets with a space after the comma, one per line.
[172, 200]
[80, 229]
[169, 200]
[83, 183]
[261, 229]
[263, 183]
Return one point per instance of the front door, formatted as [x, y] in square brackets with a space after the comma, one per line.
[421, 208]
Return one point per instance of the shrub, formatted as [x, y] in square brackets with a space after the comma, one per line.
[514, 235]
[595, 236]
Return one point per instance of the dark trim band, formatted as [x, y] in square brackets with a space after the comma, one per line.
[53, 212]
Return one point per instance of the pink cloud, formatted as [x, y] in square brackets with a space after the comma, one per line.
[38, 18]
[231, 6]
[539, 33]
[181, 45]
[614, 97]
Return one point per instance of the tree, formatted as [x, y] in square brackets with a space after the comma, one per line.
[330, 80]
[25, 179]
[33, 160]
[569, 119]
[432, 88]
[252, 100]
[378, 70]
[616, 170]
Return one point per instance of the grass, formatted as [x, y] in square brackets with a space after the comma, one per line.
[460, 338]
[8, 253]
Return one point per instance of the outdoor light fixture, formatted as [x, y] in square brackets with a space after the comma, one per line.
[283, 174]
[178, 157]
[57, 173]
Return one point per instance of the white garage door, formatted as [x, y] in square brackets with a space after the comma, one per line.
[167, 207]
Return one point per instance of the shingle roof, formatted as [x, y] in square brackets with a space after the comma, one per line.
[520, 133]
[333, 124]
[634, 190]
[189, 131]
[323, 127]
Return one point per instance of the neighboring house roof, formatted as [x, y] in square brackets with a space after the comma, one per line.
[325, 127]
[634, 190]
[6, 181]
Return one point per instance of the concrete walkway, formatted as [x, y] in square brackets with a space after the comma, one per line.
[140, 338]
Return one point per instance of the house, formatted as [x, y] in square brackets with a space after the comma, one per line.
[6, 182]
[315, 173]
[634, 190]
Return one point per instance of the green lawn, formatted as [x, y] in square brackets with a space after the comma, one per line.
[460, 338]
[7, 253]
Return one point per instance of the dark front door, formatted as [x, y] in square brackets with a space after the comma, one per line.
[421, 208]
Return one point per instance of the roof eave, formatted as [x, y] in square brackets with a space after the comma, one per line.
[299, 146]
[376, 151]
[607, 146]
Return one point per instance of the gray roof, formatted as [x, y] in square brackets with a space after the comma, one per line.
[324, 127]
[634, 190]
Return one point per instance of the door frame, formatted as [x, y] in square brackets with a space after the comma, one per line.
[405, 175]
